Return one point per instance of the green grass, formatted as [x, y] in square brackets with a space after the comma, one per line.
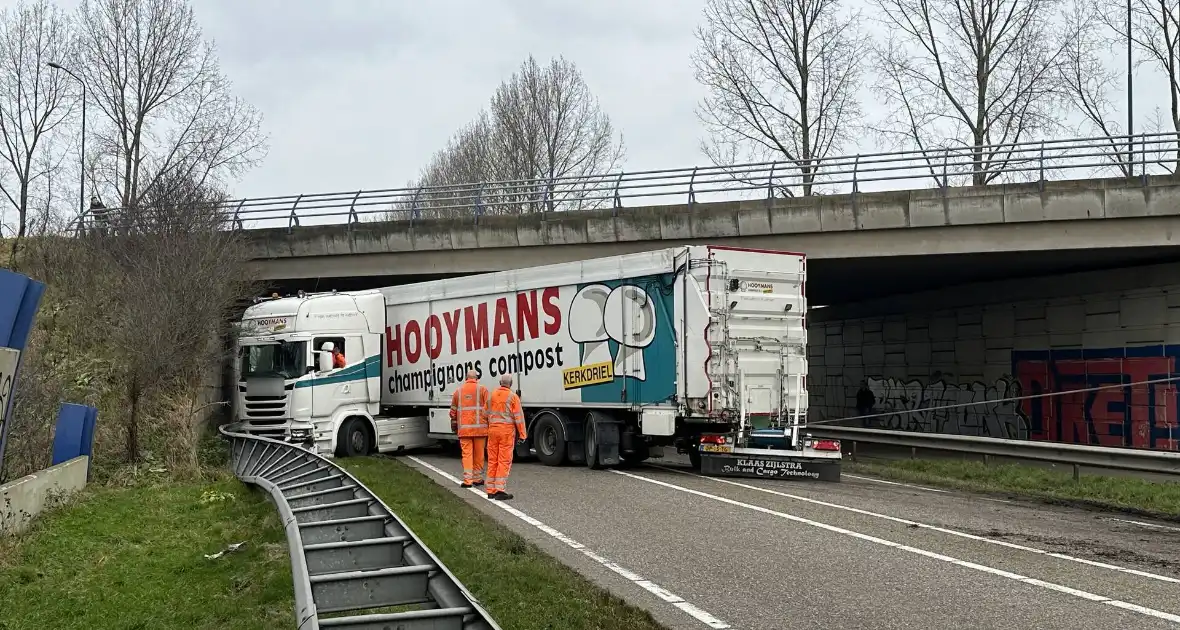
[1160, 499]
[521, 586]
[133, 558]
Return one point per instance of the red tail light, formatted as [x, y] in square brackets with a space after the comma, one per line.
[826, 445]
[712, 439]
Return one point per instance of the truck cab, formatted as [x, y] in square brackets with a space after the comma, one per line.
[289, 382]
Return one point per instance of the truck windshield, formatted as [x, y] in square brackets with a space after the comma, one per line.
[281, 360]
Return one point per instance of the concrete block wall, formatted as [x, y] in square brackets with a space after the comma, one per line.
[987, 343]
[24, 499]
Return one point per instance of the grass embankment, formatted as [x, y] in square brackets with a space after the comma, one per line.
[522, 587]
[135, 558]
[1128, 494]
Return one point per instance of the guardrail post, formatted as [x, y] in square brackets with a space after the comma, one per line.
[1143, 158]
[1077, 472]
[293, 219]
[1041, 165]
[237, 221]
[414, 204]
[945, 175]
[479, 202]
[692, 195]
[353, 219]
[770, 185]
[855, 181]
[618, 199]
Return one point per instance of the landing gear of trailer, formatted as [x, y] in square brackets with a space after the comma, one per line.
[768, 454]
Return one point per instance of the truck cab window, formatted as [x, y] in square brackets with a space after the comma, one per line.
[277, 360]
[339, 352]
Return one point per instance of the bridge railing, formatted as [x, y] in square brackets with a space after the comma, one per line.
[949, 166]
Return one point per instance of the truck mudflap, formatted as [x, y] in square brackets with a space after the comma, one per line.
[768, 465]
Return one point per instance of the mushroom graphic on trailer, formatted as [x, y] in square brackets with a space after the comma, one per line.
[625, 315]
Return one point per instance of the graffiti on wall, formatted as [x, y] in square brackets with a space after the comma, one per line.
[1138, 415]
[974, 408]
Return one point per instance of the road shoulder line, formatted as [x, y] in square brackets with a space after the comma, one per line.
[942, 530]
[1102, 599]
[651, 587]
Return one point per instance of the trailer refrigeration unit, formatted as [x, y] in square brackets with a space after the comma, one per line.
[701, 348]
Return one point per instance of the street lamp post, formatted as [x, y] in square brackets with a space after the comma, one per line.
[1130, 101]
[82, 162]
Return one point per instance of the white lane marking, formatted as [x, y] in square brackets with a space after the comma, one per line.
[943, 530]
[1142, 524]
[640, 581]
[910, 485]
[895, 483]
[1159, 614]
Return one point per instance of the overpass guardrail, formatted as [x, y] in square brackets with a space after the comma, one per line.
[1075, 455]
[1137, 156]
[349, 552]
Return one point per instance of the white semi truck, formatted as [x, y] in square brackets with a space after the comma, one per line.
[701, 348]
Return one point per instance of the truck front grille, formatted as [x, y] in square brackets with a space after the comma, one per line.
[259, 409]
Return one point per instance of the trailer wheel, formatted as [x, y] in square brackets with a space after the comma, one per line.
[353, 439]
[591, 432]
[548, 440]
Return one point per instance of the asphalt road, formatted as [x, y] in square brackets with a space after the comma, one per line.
[733, 553]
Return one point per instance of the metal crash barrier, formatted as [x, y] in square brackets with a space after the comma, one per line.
[349, 552]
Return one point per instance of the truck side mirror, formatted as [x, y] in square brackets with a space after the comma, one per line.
[325, 361]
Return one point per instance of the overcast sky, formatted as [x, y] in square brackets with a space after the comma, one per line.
[359, 93]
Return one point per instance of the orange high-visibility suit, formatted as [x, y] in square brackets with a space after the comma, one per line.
[505, 426]
[469, 420]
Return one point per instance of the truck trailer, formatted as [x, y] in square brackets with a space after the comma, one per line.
[699, 348]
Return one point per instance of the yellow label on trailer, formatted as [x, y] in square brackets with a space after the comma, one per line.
[584, 375]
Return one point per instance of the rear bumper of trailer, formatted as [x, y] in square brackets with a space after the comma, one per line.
[758, 463]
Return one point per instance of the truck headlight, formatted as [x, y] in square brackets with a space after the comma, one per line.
[300, 434]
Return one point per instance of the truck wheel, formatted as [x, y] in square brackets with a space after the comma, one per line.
[548, 440]
[354, 439]
[591, 442]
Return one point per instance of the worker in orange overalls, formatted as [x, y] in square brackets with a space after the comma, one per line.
[469, 420]
[505, 426]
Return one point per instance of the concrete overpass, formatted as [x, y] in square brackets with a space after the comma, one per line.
[861, 245]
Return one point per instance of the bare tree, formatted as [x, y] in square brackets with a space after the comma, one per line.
[34, 100]
[171, 115]
[179, 276]
[547, 127]
[451, 182]
[982, 72]
[1089, 82]
[782, 79]
[544, 143]
[1155, 34]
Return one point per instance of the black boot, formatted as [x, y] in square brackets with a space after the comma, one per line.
[502, 496]
[464, 485]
